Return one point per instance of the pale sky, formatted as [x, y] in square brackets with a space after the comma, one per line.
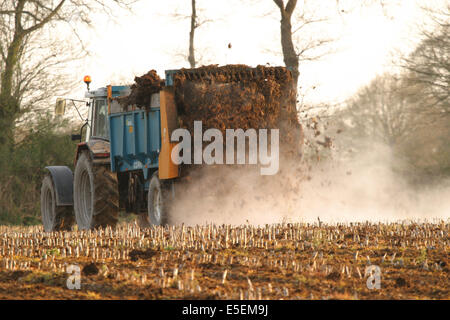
[152, 39]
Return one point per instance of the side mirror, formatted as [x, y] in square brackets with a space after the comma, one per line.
[76, 137]
[60, 107]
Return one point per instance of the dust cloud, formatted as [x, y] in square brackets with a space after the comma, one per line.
[362, 188]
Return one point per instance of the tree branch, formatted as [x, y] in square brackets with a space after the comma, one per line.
[46, 19]
[280, 4]
[290, 7]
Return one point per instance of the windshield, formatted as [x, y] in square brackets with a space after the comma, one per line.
[100, 117]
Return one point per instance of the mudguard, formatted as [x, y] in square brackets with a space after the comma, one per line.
[62, 178]
[98, 149]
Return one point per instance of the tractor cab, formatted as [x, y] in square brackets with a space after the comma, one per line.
[97, 124]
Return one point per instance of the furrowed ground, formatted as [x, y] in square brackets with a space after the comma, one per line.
[283, 261]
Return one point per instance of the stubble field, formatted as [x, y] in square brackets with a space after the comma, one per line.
[282, 261]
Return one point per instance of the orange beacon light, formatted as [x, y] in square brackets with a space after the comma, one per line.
[87, 80]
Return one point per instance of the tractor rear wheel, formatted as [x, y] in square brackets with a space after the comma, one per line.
[95, 194]
[157, 204]
[54, 218]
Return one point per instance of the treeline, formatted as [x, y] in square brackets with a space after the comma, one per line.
[40, 52]
[22, 167]
[408, 110]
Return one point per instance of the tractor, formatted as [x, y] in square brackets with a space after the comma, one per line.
[138, 180]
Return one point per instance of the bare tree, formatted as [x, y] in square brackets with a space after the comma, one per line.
[303, 37]
[301, 40]
[429, 65]
[289, 53]
[191, 57]
[383, 111]
[197, 20]
[386, 113]
[23, 58]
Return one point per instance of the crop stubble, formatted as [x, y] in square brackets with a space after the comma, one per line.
[283, 261]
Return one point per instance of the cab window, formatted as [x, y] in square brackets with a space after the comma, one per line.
[100, 119]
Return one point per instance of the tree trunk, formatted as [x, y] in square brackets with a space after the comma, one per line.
[289, 54]
[191, 57]
[9, 104]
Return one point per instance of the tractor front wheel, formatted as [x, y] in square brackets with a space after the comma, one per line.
[95, 194]
[54, 218]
